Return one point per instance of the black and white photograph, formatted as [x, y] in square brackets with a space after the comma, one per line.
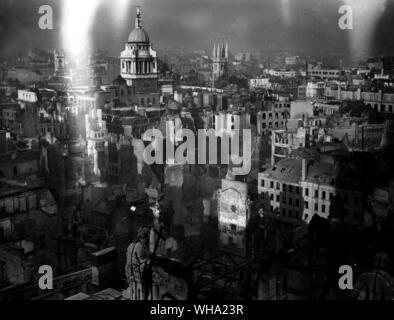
[196, 150]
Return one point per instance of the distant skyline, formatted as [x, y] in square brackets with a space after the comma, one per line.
[308, 26]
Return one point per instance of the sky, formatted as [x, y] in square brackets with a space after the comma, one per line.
[307, 26]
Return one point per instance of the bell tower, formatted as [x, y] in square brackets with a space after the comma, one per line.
[219, 60]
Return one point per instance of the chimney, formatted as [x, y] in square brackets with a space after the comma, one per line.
[104, 266]
[304, 169]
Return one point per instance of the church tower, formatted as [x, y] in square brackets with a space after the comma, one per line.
[60, 64]
[138, 62]
[220, 60]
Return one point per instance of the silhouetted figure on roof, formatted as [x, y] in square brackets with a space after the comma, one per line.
[137, 262]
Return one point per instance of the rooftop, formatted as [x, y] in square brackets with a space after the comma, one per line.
[321, 173]
[286, 170]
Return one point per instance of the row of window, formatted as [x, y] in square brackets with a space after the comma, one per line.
[122, 92]
[331, 73]
[9, 115]
[270, 115]
[284, 200]
[148, 101]
[276, 125]
[324, 195]
[280, 187]
[383, 108]
[100, 145]
[290, 201]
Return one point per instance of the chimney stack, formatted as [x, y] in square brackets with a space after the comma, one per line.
[304, 169]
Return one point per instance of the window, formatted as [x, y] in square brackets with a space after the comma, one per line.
[306, 205]
[272, 209]
[271, 184]
[323, 195]
[290, 213]
[233, 228]
[277, 186]
[297, 203]
[297, 190]
[272, 196]
[277, 198]
[323, 208]
[307, 192]
[316, 193]
[290, 188]
[262, 182]
[316, 207]
[284, 186]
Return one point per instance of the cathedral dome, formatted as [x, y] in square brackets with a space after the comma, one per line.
[138, 35]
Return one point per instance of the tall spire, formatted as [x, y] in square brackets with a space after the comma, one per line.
[214, 51]
[138, 18]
